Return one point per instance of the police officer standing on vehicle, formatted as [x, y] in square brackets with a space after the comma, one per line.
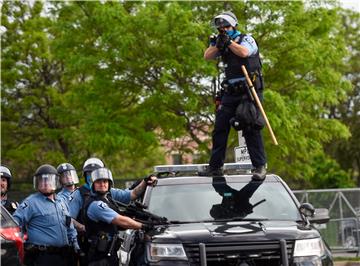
[51, 234]
[68, 180]
[235, 49]
[5, 185]
[102, 221]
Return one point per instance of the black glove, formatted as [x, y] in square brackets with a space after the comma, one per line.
[147, 227]
[149, 181]
[212, 39]
[222, 41]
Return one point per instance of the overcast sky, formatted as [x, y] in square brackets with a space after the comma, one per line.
[351, 4]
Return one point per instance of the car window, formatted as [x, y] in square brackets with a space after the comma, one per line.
[221, 200]
[6, 219]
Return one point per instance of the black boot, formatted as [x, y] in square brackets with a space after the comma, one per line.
[259, 173]
[211, 171]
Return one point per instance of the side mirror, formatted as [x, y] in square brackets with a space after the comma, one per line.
[307, 210]
[321, 216]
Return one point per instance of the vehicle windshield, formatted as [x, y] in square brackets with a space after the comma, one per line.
[6, 219]
[220, 200]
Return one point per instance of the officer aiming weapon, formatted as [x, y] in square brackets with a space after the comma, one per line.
[137, 212]
[257, 100]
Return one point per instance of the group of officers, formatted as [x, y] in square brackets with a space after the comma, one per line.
[77, 225]
[84, 220]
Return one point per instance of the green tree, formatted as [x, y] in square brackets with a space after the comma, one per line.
[31, 134]
[347, 153]
[125, 76]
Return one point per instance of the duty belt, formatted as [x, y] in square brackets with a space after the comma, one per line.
[234, 86]
[43, 248]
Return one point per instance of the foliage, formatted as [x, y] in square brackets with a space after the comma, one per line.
[347, 153]
[113, 80]
[328, 174]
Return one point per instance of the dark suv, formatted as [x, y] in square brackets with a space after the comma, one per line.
[226, 220]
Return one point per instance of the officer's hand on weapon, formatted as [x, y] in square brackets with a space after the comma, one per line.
[147, 227]
[212, 40]
[222, 41]
[151, 180]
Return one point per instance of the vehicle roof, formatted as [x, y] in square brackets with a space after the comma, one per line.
[192, 179]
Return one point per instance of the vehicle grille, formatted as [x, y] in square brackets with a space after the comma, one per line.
[254, 253]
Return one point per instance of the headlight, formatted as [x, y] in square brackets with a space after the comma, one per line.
[307, 261]
[167, 251]
[309, 247]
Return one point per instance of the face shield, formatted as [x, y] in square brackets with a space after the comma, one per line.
[220, 23]
[69, 178]
[102, 173]
[224, 20]
[46, 182]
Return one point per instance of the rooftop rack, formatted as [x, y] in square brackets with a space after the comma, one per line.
[175, 169]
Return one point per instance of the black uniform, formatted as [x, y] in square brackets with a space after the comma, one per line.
[232, 97]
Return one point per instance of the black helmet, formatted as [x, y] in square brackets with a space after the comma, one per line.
[225, 19]
[68, 175]
[46, 173]
[100, 174]
[91, 164]
[5, 172]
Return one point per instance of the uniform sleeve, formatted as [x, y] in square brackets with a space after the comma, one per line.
[72, 236]
[100, 211]
[75, 203]
[121, 195]
[250, 44]
[65, 195]
[23, 213]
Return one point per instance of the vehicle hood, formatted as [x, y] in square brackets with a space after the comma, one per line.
[232, 231]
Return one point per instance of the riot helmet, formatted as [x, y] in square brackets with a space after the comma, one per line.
[225, 19]
[68, 175]
[101, 174]
[46, 179]
[90, 165]
[5, 172]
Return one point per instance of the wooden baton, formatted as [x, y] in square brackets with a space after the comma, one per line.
[257, 100]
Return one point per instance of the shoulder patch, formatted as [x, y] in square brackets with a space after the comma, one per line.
[102, 205]
[24, 205]
[249, 39]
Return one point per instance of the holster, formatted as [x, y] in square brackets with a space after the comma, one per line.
[100, 243]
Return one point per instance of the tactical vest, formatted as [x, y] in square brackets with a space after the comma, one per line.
[234, 62]
[92, 227]
[85, 195]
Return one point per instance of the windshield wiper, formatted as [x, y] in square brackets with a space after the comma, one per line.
[219, 220]
[240, 219]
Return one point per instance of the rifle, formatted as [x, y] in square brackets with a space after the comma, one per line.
[137, 212]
